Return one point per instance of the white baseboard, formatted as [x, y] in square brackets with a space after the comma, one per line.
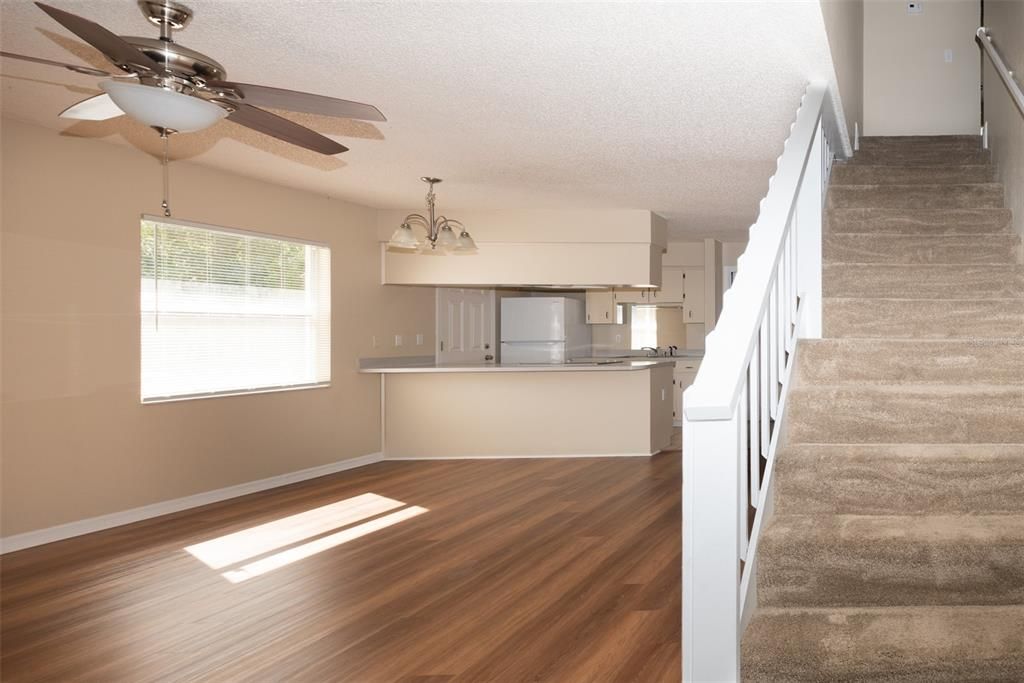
[92, 524]
[518, 457]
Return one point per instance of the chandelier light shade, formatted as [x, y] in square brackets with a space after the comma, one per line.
[441, 237]
[163, 108]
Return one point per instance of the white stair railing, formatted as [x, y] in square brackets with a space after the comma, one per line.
[731, 413]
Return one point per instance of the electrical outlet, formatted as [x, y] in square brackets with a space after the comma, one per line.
[398, 340]
[375, 342]
[948, 56]
[915, 7]
[419, 339]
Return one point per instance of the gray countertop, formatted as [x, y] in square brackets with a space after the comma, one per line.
[626, 365]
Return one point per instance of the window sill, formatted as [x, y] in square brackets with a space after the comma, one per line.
[235, 392]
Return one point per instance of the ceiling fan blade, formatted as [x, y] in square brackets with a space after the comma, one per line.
[98, 108]
[292, 100]
[113, 47]
[283, 129]
[88, 70]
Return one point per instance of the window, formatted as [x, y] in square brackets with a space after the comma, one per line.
[227, 312]
[644, 327]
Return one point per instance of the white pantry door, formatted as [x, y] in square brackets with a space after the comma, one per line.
[465, 325]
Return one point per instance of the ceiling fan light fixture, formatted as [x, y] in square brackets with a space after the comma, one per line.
[162, 108]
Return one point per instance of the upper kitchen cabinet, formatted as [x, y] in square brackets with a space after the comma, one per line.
[522, 248]
[671, 291]
[631, 296]
[693, 299]
[601, 307]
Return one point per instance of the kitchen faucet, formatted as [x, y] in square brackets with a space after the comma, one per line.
[652, 351]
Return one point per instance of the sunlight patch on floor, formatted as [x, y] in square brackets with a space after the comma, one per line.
[286, 557]
[242, 545]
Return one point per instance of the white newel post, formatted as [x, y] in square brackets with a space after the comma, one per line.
[809, 214]
[711, 504]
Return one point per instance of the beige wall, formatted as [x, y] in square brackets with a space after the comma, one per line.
[1005, 19]
[76, 441]
[908, 87]
[844, 25]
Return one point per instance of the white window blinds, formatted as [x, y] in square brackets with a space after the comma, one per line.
[230, 312]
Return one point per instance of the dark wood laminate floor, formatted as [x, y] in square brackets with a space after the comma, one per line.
[519, 570]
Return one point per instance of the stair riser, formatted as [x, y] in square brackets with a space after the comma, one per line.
[857, 561]
[850, 174]
[910, 645]
[866, 414]
[978, 196]
[923, 157]
[895, 480]
[918, 141]
[920, 249]
[923, 281]
[924, 319]
[919, 222]
[840, 362]
[913, 149]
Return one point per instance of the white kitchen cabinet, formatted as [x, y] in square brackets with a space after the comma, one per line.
[683, 376]
[693, 299]
[601, 306]
[631, 296]
[672, 288]
[662, 398]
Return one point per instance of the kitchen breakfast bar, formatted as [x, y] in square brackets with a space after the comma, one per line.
[499, 411]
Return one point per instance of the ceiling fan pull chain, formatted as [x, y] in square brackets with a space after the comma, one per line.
[166, 204]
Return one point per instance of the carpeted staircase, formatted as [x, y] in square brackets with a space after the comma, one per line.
[896, 548]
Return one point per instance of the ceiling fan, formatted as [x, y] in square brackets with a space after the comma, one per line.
[175, 89]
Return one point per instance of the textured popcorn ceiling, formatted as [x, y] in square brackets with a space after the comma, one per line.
[678, 107]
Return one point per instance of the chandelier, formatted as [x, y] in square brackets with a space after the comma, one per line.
[441, 237]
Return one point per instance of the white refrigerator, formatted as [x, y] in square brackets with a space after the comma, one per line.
[543, 330]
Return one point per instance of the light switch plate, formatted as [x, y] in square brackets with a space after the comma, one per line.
[915, 7]
[948, 55]
[398, 340]
[419, 339]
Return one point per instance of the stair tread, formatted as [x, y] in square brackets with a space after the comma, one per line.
[922, 156]
[937, 187]
[861, 174]
[922, 195]
[924, 139]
